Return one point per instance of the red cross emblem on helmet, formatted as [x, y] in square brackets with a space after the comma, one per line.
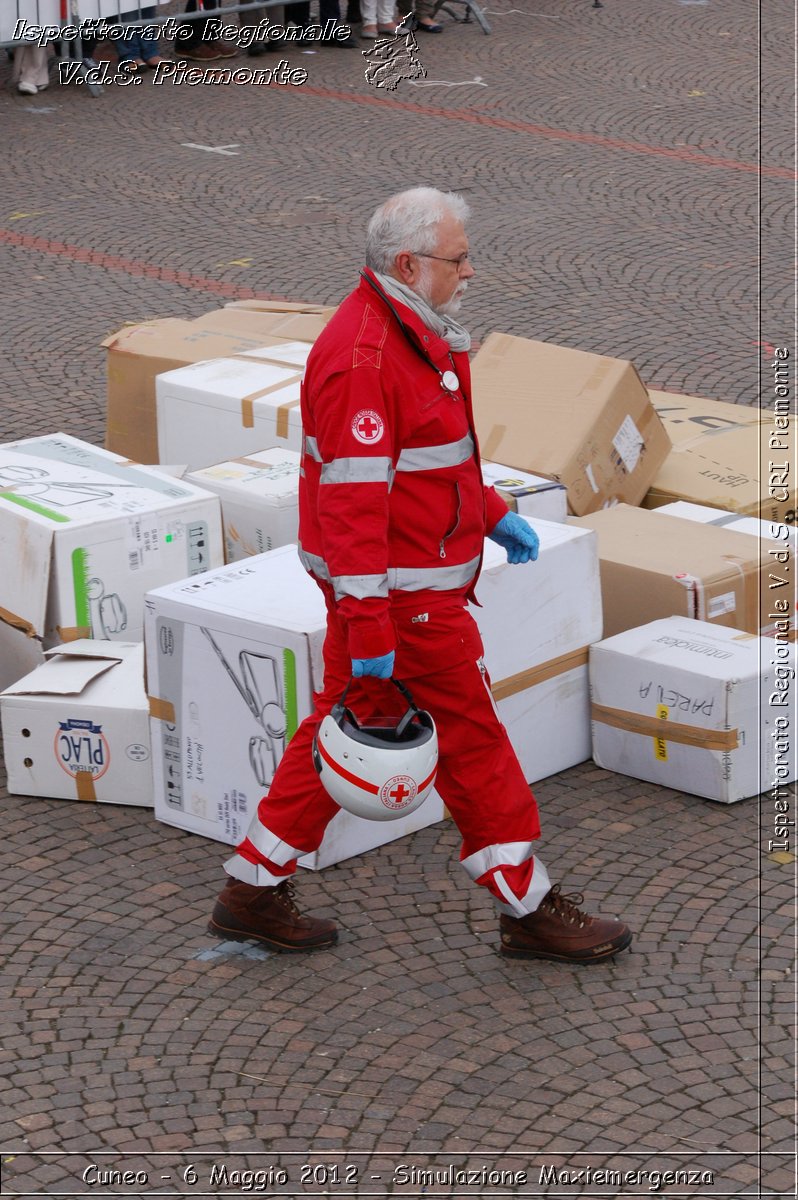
[368, 426]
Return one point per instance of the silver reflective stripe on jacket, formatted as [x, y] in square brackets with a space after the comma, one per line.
[438, 579]
[357, 470]
[312, 448]
[429, 458]
[359, 587]
[403, 579]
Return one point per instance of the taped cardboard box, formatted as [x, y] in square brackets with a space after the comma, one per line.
[779, 541]
[88, 533]
[137, 353]
[530, 495]
[722, 456]
[233, 659]
[77, 727]
[286, 307]
[260, 500]
[231, 407]
[656, 566]
[581, 419]
[693, 706]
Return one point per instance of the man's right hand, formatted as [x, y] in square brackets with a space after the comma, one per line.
[380, 668]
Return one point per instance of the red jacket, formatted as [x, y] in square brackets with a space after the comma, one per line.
[392, 507]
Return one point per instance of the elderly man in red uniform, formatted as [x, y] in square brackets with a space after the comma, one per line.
[393, 513]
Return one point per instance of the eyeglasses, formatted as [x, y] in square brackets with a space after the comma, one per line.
[458, 262]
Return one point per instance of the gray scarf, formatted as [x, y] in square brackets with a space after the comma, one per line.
[445, 327]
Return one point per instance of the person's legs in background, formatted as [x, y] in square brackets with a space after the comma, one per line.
[31, 72]
[422, 11]
[197, 41]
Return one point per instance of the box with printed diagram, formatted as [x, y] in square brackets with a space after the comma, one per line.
[89, 533]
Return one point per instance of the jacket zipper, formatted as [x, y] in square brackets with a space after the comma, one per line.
[449, 533]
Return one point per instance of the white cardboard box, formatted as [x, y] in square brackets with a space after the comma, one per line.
[259, 495]
[693, 706]
[537, 621]
[89, 533]
[529, 495]
[233, 659]
[77, 727]
[231, 407]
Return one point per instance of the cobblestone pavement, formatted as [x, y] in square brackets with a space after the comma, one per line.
[628, 167]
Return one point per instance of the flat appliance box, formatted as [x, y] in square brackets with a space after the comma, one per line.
[77, 727]
[529, 495]
[259, 495]
[89, 533]
[137, 353]
[581, 419]
[695, 707]
[233, 659]
[659, 566]
[721, 457]
[231, 407]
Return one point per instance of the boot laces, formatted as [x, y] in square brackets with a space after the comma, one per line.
[567, 907]
[284, 892]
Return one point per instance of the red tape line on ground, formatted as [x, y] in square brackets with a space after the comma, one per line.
[587, 139]
[112, 262]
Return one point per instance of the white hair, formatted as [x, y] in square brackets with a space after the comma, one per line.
[409, 221]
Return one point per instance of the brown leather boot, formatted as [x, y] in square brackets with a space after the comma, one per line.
[559, 930]
[268, 915]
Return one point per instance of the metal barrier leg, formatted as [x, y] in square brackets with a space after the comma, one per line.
[471, 9]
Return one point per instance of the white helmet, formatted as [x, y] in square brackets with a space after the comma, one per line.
[379, 772]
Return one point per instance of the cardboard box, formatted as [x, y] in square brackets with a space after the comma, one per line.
[138, 353]
[529, 495]
[720, 457]
[260, 500]
[77, 727]
[231, 407]
[582, 419]
[537, 621]
[687, 705]
[656, 566]
[780, 543]
[233, 659]
[88, 534]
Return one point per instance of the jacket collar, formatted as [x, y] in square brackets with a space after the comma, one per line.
[428, 342]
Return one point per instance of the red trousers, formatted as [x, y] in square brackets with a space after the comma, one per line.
[439, 657]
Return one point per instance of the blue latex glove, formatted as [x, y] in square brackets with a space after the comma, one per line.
[381, 668]
[518, 538]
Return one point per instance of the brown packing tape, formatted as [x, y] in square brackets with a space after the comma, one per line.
[547, 670]
[250, 462]
[84, 785]
[668, 731]
[248, 402]
[73, 633]
[162, 710]
[283, 417]
[16, 622]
